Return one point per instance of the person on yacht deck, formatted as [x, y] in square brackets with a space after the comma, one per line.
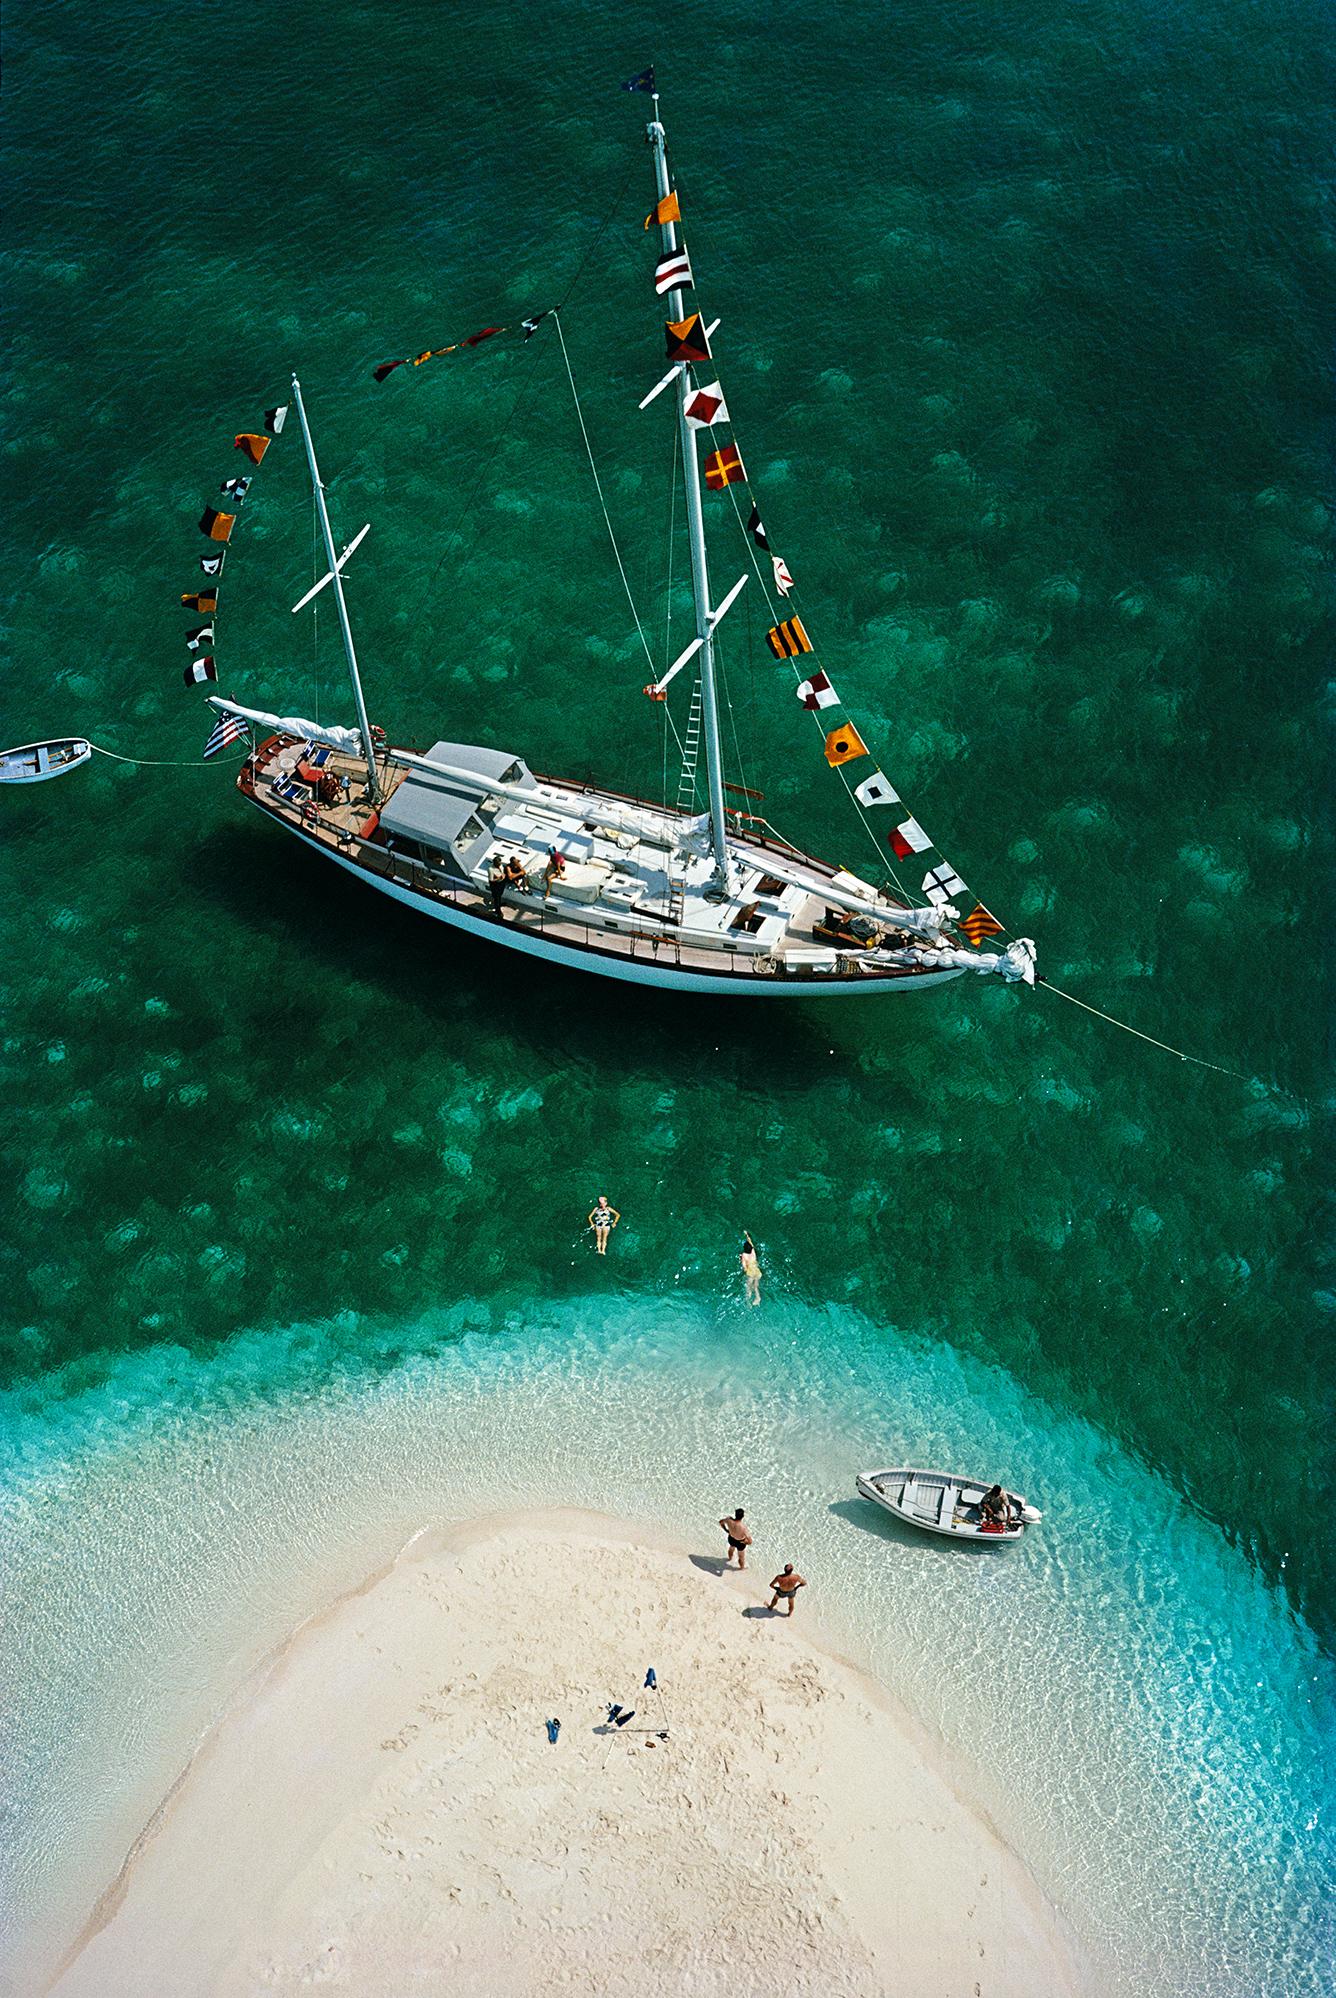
[556, 867]
[500, 878]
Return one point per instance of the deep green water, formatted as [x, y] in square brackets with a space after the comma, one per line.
[1025, 314]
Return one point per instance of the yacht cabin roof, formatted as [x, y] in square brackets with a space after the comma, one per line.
[436, 810]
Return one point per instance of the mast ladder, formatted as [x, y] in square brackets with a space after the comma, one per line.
[686, 797]
[686, 783]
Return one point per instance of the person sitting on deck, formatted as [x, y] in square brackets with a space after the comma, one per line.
[556, 867]
[500, 878]
[995, 1507]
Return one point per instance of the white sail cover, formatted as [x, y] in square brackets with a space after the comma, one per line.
[346, 739]
[1015, 964]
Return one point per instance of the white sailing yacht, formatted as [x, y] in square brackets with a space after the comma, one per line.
[589, 878]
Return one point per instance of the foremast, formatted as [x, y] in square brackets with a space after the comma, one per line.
[336, 578]
[700, 575]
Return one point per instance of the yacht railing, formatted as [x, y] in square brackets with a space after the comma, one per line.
[562, 925]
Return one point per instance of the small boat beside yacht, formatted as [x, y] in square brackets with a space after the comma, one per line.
[35, 762]
[949, 1503]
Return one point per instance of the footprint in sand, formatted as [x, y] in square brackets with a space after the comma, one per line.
[404, 1736]
[328, 1965]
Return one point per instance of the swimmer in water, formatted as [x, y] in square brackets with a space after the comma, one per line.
[603, 1219]
[751, 1269]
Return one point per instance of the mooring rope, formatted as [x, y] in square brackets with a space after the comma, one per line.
[157, 762]
[1198, 1060]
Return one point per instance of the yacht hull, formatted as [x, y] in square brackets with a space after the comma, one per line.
[639, 970]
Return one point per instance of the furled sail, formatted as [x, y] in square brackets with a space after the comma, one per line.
[346, 739]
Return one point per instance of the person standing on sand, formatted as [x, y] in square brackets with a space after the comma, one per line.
[787, 1585]
[739, 1540]
[603, 1219]
[751, 1269]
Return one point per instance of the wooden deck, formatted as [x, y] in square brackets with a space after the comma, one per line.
[348, 828]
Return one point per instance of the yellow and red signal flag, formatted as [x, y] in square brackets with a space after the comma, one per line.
[686, 339]
[200, 600]
[723, 468]
[667, 210]
[251, 442]
[980, 923]
[216, 525]
[844, 745]
[433, 353]
[788, 639]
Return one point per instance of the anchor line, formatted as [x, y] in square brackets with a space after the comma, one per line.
[1198, 1060]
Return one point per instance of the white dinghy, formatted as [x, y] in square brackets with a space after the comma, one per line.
[36, 761]
[945, 1502]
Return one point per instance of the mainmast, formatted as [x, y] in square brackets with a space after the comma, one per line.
[336, 577]
[700, 575]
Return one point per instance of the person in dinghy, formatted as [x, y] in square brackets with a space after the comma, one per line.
[999, 1509]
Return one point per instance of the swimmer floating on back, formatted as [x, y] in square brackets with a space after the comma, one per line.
[603, 1219]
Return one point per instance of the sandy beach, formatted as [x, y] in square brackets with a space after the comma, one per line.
[382, 1812]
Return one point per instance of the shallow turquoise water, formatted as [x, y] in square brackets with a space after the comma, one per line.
[1024, 322]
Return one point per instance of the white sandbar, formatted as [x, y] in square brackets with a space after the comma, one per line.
[381, 1811]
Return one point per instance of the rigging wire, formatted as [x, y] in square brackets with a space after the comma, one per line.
[526, 390]
[598, 487]
[883, 862]
[668, 722]
[732, 716]
[315, 621]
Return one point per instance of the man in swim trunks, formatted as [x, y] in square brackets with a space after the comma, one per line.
[751, 1269]
[739, 1539]
[787, 1585]
[603, 1219]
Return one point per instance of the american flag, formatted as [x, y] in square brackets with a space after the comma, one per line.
[226, 729]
